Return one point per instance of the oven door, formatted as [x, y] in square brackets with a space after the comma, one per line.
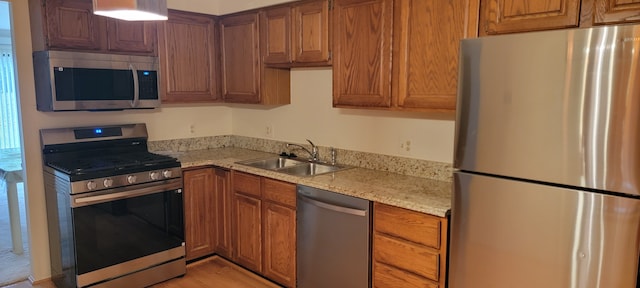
[127, 230]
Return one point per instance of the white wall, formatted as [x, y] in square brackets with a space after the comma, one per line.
[309, 116]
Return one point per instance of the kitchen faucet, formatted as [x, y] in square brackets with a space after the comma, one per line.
[313, 153]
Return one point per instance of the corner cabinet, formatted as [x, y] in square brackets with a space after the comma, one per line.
[409, 248]
[245, 79]
[71, 25]
[188, 52]
[422, 72]
[207, 203]
[265, 226]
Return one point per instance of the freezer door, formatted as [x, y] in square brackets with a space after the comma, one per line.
[557, 106]
[509, 234]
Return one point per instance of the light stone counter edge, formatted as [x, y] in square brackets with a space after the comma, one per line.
[409, 192]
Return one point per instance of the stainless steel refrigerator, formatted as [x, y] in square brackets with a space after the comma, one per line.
[547, 159]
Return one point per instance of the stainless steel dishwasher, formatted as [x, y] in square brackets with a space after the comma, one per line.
[333, 239]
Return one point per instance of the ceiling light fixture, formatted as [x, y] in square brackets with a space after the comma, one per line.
[131, 10]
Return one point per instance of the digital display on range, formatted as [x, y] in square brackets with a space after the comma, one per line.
[97, 132]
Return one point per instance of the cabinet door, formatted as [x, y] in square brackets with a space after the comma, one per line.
[240, 58]
[616, 11]
[223, 213]
[362, 53]
[131, 36]
[199, 210]
[425, 60]
[279, 244]
[276, 33]
[248, 231]
[311, 32]
[507, 16]
[70, 24]
[188, 58]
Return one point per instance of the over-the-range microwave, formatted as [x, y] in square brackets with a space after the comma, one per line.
[69, 81]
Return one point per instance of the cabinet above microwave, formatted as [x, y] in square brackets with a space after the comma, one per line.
[70, 81]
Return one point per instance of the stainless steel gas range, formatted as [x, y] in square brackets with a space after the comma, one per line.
[115, 210]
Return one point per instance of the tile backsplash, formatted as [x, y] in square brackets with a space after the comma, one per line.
[401, 165]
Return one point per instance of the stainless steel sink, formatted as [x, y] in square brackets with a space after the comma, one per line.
[272, 163]
[310, 169]
[292, 166]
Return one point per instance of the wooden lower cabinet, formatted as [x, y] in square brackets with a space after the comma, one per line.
[199, 212]
[207, 205]
[248, 217]
[409, 248]
[223, 243]
[265, 227]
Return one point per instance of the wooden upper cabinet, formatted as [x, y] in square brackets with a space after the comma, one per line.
[240, 58]
[296, 35]
[422, 72]
[188, 52]
[425, 60]
[616, 11]
[245, 78]
[70, 24]
[276, 32]
[362, 32]
[131, 36]
[508, 16]
[311, 32]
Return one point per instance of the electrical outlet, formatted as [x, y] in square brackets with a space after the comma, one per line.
[192, 129]
[404, 147]
[268, 131]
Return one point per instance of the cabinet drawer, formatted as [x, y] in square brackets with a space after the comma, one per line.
[246, 183]
[388, 277]
[406, 224]
[281, 192]
[405, 255]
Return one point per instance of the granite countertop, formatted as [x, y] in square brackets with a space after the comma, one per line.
[413, 193]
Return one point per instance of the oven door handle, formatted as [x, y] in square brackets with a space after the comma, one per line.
[106, 197]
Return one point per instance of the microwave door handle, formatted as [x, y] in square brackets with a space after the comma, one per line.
[136, 86]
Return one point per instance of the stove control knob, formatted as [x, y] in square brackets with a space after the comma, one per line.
[132, 179]
[91, 185]
[155, 175]
[167, 173]
[108, 182]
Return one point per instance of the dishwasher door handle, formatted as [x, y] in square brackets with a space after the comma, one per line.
[336, 208]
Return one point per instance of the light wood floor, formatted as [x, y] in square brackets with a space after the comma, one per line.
[210, 272]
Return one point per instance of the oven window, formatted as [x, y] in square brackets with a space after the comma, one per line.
[118, 231]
